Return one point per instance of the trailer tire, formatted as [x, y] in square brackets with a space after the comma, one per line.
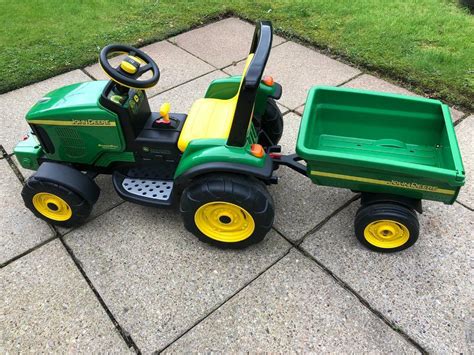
[271, 124]
[386, 227]
[228, 211]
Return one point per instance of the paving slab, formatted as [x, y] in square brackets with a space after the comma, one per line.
[370, 82]
[47, 306]
[293, 307]
[182, 97]
[157, 278]
[426, 290]
[220, 43]
[176, 66]
[300, 205]
[15, 104]
[465, 135]
[297, 69]
[20, 229]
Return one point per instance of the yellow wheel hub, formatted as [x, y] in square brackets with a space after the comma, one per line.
[386, 234]
[52, 206]
[224, 221]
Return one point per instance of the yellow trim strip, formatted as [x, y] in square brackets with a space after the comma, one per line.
[393, 183]
[81, 123]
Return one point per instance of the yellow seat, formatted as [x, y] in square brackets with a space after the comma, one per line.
[210, 118]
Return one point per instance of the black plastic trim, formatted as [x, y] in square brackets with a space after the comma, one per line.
[261, 46]
[43, 138]
[264, 173]
[69, 177]
[290, 161]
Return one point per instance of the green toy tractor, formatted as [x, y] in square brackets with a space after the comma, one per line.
[213, 159]
[216, 161]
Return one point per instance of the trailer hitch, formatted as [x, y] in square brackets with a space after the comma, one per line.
[291, 160]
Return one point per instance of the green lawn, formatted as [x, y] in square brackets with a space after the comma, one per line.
[426, 44]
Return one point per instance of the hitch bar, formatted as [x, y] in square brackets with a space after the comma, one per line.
[290, 160]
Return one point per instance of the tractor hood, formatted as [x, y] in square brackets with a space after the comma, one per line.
[69, 100]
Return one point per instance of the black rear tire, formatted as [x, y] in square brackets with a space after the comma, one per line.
[220, 209]
[36, 194]
[271, 124]
[386, 227]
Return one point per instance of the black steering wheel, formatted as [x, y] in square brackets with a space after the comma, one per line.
[132, 67]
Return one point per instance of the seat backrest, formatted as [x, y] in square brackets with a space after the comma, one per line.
[251, 77]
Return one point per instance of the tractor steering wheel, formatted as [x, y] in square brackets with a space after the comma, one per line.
[132, 67]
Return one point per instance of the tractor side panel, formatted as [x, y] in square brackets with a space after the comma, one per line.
[81, 137]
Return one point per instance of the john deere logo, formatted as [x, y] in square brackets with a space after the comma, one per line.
[92, 123]
[412, 185]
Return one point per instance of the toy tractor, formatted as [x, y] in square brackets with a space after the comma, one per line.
[216, 161]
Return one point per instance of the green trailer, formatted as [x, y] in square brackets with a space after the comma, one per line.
[395, 150]
[216, 161]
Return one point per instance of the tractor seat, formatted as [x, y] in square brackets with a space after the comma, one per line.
[210, 118]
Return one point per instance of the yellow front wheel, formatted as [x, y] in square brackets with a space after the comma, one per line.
[386, 227]
[52, 206]
[229, 211]
[55, 203]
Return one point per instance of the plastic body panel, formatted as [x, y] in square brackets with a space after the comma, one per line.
[78, 127]
[28, 152]
[382, 143]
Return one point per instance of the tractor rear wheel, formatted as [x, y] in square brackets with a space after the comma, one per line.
[228, 211]
[271, 124]
[386, 227]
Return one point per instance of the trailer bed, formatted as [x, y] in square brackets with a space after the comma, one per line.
[375, 142]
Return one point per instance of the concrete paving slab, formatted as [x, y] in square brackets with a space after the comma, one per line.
[465, 135]
[176, 66]
[47, 307]
[15, 104]
[182, 97]
[20, 229]
[300, 204]
[297, 69]
[220, 43]
[157, 278]
[369, 82]
[293, 307]
[425, 290]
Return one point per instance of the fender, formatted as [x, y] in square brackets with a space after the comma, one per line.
[71, 178]
[205, 156]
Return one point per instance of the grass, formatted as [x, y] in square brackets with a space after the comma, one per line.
[425, 44]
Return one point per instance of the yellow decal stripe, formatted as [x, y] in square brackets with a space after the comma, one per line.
[384, 182]
[82, 123]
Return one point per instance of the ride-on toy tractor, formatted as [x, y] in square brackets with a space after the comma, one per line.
[216, 161]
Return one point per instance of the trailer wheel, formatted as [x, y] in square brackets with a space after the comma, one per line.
[228, 211]
[386, 227]
[271, 124]
[55, 203]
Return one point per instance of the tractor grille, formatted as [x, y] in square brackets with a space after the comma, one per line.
[71, 142]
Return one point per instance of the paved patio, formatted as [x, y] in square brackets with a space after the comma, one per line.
[133, 279]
